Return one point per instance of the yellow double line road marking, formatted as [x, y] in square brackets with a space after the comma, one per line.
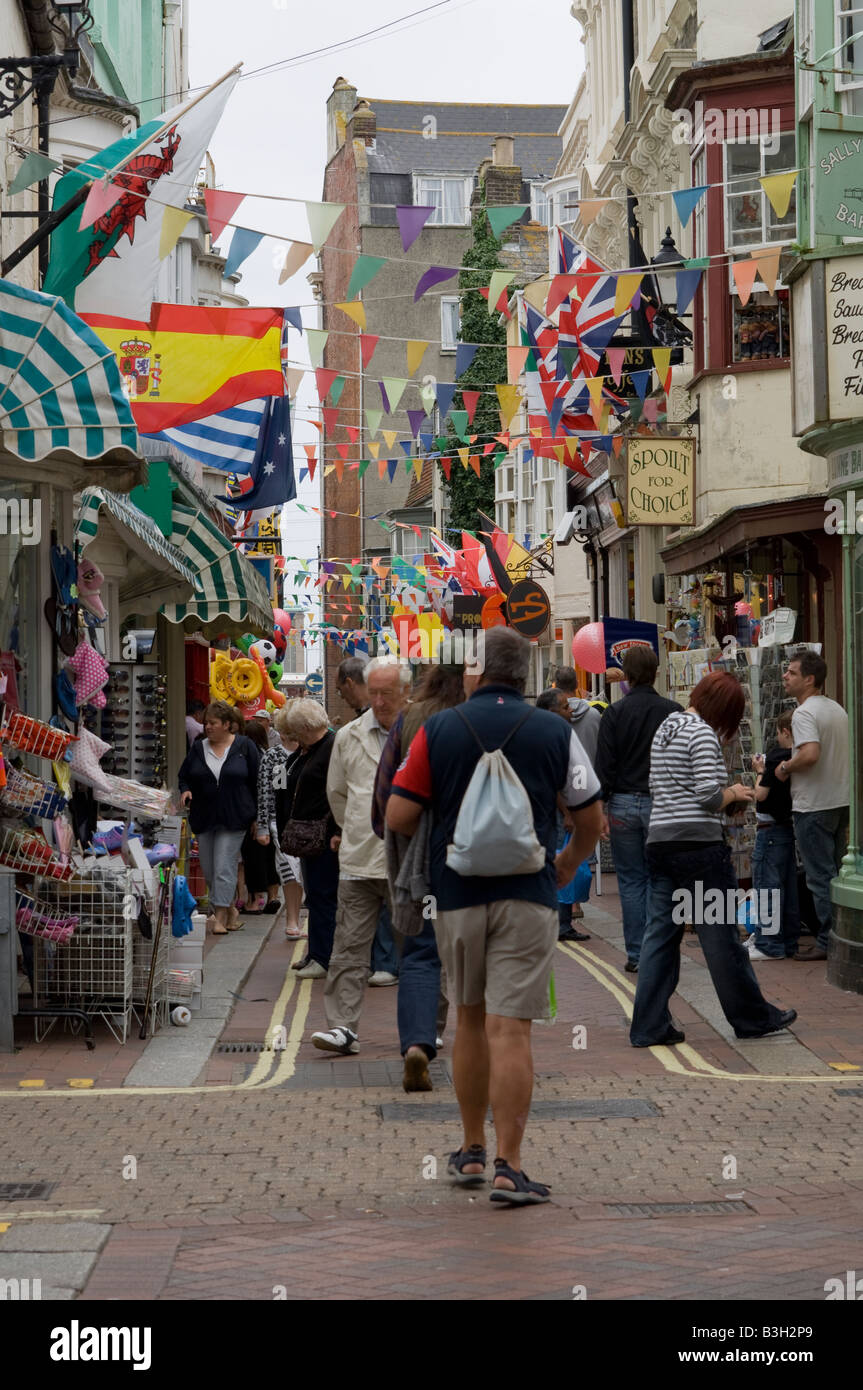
[624, 992]
[273, 1067]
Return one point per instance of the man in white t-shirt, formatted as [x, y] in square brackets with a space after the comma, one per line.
[818, 769]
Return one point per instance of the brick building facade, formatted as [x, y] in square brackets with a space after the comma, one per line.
[382, 154]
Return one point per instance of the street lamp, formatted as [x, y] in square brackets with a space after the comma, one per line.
[666, 263]
[21, 78]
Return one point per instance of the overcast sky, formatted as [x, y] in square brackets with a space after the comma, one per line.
[272, 138]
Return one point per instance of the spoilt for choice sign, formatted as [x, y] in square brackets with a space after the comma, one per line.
[660, 475]
[844, 293]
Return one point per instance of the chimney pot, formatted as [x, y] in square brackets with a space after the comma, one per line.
[504, 151]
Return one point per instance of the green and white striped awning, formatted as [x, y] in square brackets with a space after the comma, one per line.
[233, 597]
[138, 530]
[60, 388]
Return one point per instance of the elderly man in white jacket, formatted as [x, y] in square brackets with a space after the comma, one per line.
[363, 886]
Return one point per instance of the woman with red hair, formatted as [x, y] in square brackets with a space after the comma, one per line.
[691, 875]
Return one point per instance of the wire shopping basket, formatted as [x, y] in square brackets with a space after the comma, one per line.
[36, 919]
[29, 794]
[26, 851]
[32, 736]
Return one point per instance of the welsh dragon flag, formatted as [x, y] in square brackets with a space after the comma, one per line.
[111, 267]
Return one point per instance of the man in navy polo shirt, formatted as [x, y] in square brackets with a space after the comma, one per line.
[497, 936]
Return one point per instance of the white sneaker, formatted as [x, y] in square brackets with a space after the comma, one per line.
[313, 971]
[338, 1039]
[755, 954]
[383, 977]
[438, 1042]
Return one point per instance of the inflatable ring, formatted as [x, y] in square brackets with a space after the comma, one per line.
[220, 676]
[246, 680]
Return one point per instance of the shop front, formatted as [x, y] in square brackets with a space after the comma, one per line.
[66, 428]
[752, 564]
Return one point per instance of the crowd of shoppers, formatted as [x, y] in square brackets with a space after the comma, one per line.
[360, 825]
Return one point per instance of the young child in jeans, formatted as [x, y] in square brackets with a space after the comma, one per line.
[774, 862]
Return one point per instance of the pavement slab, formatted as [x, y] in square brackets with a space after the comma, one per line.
[290, 1171]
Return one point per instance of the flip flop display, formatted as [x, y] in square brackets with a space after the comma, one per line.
[34, 919]
[32, 736]
[24, 792]
[26, 851]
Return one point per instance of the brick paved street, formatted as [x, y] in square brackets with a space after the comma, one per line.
[292, 1171]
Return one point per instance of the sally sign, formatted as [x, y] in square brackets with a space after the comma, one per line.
[660, 481]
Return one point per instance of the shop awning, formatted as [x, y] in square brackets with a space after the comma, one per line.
[60, 389]
[740, 526]
[153, 569]
[233, 597]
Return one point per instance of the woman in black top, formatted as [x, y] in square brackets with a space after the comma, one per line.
[305, 798]
[218, 782]
[260, 879]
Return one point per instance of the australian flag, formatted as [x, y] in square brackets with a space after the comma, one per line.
[270, 480]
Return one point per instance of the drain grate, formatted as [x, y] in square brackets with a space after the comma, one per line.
[616, 1109]
[729, 1208]
[26, 1191]
[245, 1047]
[851, 1091]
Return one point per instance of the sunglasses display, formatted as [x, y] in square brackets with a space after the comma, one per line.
[134, 723]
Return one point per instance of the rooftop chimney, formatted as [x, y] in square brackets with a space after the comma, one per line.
[504, 151]
[363, 122]
[340, 104]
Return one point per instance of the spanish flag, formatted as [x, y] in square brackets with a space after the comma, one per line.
[190, 361]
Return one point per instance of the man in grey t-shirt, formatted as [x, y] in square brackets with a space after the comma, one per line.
[818, 769]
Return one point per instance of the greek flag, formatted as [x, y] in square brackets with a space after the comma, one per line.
[227, 440]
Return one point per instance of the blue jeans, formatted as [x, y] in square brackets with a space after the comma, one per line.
[673, 867]
[384, 953]
[321, 884]
[628, 822]
[821, 839]
[774, 868]
[419, 991]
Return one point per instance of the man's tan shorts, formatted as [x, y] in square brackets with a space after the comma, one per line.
[499, 954]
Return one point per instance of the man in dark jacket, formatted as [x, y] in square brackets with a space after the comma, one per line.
[622, 765]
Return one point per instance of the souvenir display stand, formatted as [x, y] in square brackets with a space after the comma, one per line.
[104, 967]
[759, 670]
[97, 919]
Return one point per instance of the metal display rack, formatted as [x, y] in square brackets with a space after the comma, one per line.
[103, 969]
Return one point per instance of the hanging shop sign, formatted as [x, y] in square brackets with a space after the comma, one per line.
[528, 609]
[838, 183]
[844, 296]
[660, 473]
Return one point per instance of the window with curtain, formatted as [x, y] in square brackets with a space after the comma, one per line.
[539, 204]
[449, 324]
[449, 195]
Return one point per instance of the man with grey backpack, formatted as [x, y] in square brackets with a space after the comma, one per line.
[493, 771]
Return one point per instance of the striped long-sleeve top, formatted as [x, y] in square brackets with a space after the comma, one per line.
[687, 779]
[267, 787]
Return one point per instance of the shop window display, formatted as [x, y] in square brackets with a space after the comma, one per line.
[760, 328]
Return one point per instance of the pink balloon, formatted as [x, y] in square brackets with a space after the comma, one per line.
[588, 648]
[282, 618]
